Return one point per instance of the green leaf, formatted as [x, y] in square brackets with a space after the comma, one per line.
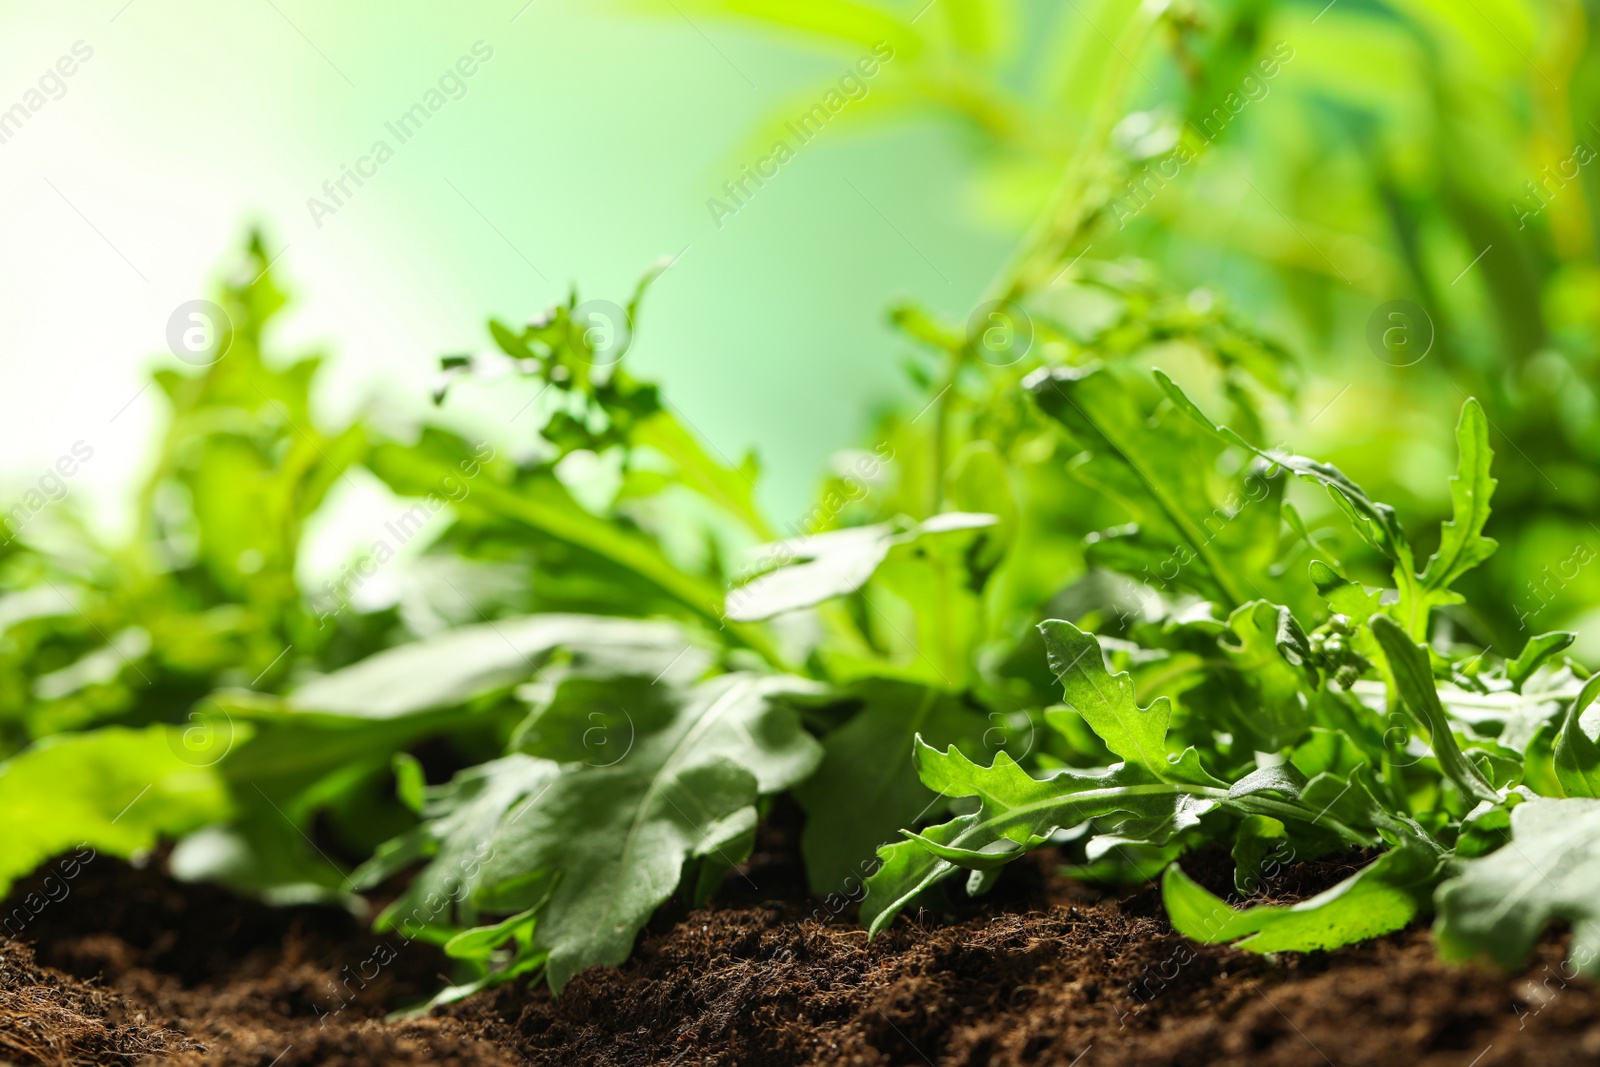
[1347, 805]
[481, 942]
[932, 614]
[1413, 676]
[1507, 716]
[1483, 831]
[296, 773]
[731, 488]
[1327, 752]
[979, 482]
[1499, 904]
[1462, 545]
[685, 788]
[1260, 837]
[1015, 812]
[1272, 662]
[1220, 537]
[542, 503]
[1107, 701]
[461, 821]
[1343, 595]
[1375, 522]
[1536, 653]
[509, 341]
[1538, 763]
[115, 790]
[1380, 898]
[410, 781]
[866, 787]
[808, 570]
[459, 665]
[1577, 757]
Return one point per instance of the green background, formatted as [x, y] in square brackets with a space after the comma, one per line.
[590, 144]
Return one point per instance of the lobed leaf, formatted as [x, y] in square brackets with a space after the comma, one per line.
[1499, 904]
[1016, 812]
[1221, 540]
[1576, 758]
[1106, 701]
[683, 789]
[1536, 653]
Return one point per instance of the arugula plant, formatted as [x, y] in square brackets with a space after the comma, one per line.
[1054, 602]
[205, 592]
[1241, 689]
[109, 650]
[1347, 729]
[630, 676]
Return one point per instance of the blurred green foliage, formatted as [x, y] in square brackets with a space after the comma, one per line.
[1308, 163]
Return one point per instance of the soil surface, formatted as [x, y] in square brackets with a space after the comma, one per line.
[131, 967]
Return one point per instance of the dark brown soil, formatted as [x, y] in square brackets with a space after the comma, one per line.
[132, 967]
[139, 968]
